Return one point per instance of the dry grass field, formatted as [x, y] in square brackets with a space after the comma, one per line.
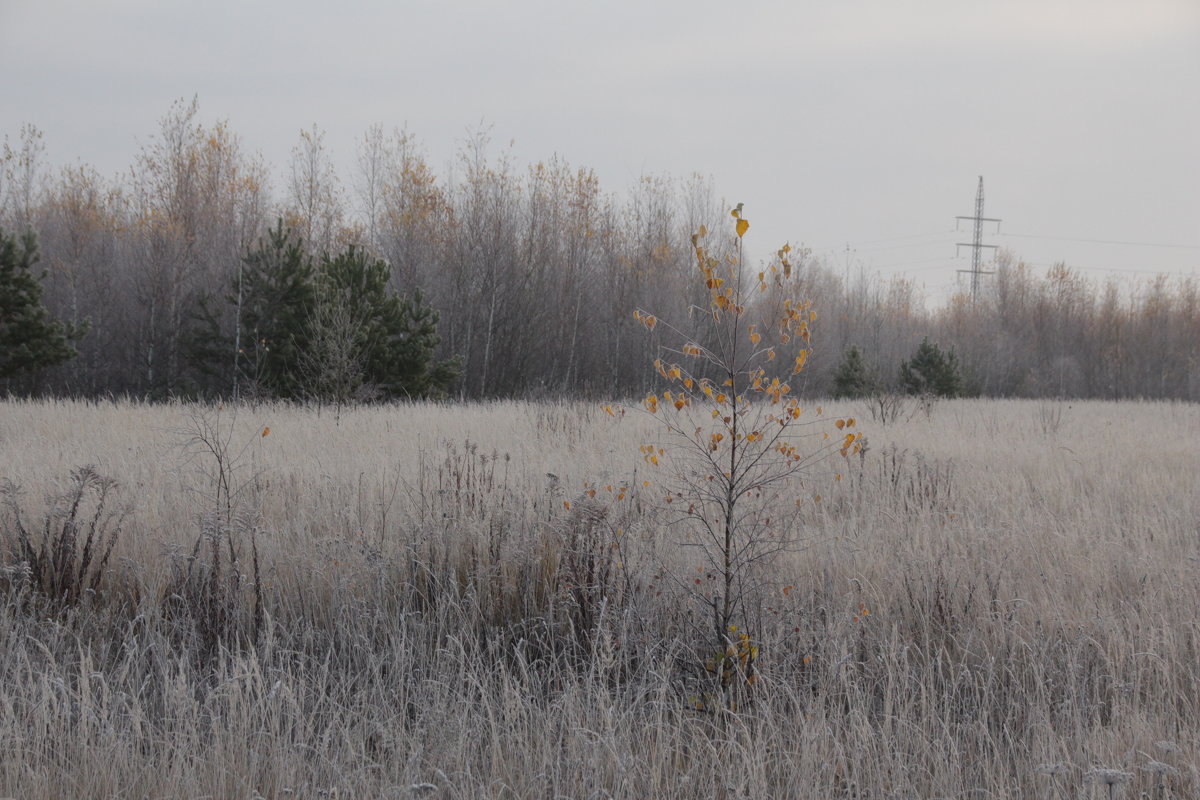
[999, 600]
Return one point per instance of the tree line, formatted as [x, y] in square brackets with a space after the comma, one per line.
[192, 275]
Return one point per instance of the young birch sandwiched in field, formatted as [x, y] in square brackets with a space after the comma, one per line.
[736, 447]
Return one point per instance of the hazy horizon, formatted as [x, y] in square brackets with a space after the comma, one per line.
[859, 130]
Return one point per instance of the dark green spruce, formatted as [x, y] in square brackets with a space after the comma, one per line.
[323, 331]
[853, 379]
[30, 339]
[931, 371]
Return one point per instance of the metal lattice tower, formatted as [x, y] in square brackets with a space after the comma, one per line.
[976, 244]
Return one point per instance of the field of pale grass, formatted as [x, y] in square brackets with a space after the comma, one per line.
[998, 600]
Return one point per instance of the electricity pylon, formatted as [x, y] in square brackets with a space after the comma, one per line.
[977, 244]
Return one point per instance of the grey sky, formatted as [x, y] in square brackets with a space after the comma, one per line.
[860, 122]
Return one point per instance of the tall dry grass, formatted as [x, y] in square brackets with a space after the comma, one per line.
[997, 600]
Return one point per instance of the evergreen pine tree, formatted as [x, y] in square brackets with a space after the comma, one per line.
[931, 372]
[30, 339]
[413, 350]
[394, 337]
[853, 378]
[274, 305]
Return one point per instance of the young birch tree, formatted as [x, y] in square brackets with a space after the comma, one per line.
[737, 445]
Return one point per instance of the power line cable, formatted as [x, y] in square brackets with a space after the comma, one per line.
[1132, 270]
[856, 245]
[1103, 241]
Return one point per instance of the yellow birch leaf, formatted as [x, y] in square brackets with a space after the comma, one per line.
[742, 227]
[800, 359]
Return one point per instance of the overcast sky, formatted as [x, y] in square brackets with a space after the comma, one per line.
[840, 122]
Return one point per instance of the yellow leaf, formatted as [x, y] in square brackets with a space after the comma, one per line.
[266, 431]
[703, 231]
[742, 227]
[800, 359]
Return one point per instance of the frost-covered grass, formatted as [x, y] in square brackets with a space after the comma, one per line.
[997, 587]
